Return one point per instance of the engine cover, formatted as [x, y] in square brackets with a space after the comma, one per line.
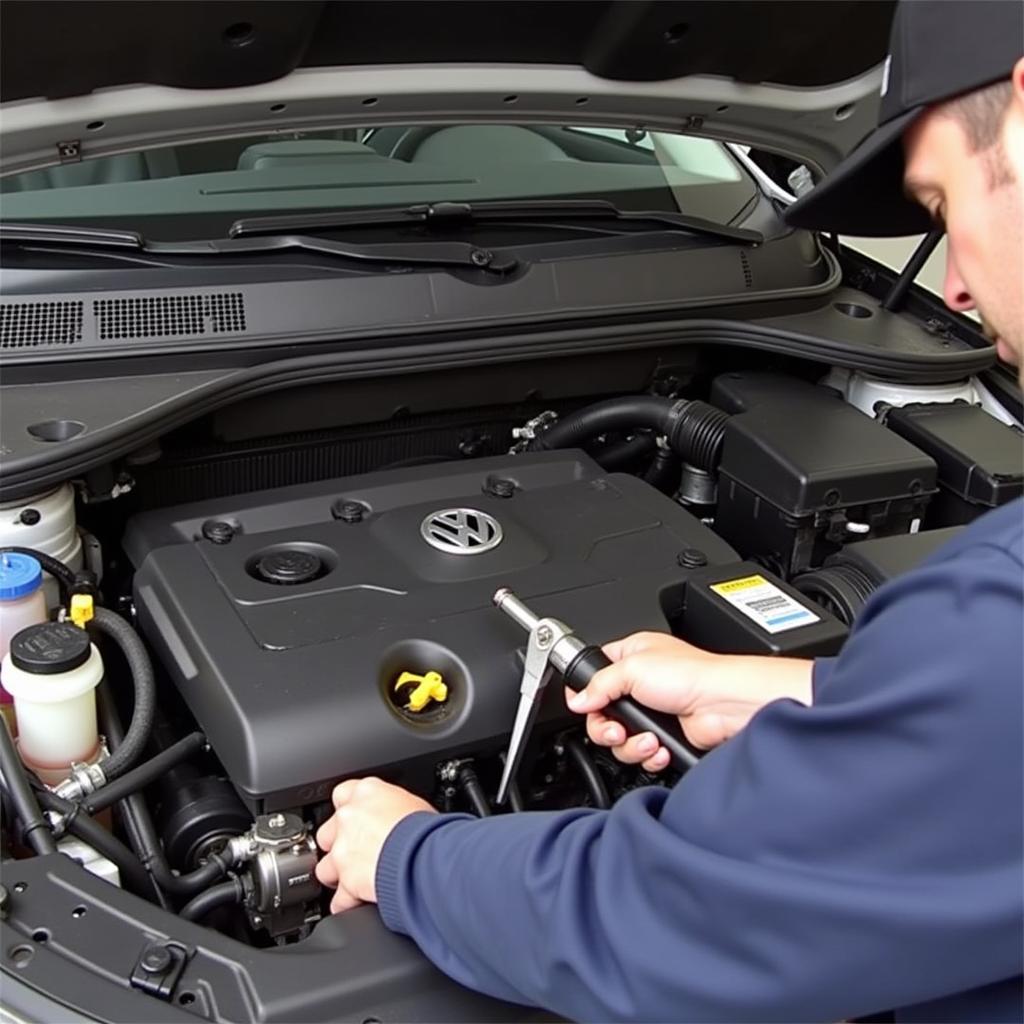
[286, 632]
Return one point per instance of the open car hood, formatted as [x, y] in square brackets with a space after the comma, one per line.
[79, 79]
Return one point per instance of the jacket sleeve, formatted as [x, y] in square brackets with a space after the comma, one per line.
[827, 862]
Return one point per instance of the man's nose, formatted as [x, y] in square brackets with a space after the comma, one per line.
[954, 290]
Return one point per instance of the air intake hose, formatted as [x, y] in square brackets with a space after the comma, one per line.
[841, 588]
[694, 429]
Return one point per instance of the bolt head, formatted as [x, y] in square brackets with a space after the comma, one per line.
[544, 635]
[217, 531]
[691, 558]
[499, 487]
[156, 960]
[277, 821]
[348, 511]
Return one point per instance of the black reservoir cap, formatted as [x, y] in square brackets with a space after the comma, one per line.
[50, 648]
[288, 567]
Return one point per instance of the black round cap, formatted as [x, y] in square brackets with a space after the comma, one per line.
[50, 648]
[286, 568]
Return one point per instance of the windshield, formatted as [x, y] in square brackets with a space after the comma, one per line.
[198, 190]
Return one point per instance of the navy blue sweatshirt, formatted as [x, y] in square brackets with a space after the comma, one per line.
[832, 861]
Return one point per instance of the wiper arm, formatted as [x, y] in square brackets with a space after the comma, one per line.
[434, 254]
[446, 213]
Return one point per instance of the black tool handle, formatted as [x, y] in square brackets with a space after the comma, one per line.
[635, 717]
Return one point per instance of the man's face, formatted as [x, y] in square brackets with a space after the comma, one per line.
[984, 218]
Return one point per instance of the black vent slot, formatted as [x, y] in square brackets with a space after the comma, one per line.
[162, 316]
[27, 324]
[748, 274]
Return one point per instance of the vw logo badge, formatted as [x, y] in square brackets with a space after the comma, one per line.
[461, 531]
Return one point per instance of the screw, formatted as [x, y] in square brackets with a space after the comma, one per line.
[29, 517]
[348, 511]
[545, 636]
[481, 257]
[156, 960]
[257, 921]
[277, 821]
[217, 531]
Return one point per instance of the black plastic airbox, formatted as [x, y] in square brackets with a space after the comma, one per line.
[981, 461]
[286, 640]
[802, 472]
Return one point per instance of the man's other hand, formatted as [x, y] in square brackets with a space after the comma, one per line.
[365, 812]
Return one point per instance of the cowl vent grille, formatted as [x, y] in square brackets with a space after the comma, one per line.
[166, 316]
[27, 324]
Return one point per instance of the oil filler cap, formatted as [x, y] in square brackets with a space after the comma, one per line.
[289, 568]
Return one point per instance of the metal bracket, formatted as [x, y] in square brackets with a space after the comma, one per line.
[70, 152]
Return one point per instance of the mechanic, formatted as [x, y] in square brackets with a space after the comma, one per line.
[856, 845]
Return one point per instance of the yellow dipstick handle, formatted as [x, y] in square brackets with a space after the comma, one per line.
[429, 686]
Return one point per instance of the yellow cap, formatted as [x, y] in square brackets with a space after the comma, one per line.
[429, 686]
[81, 610]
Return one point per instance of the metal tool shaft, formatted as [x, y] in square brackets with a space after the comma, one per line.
[515, 609]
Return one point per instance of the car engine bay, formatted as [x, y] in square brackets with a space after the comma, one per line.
[300, 633]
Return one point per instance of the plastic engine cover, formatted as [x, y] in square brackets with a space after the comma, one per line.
[286, 636]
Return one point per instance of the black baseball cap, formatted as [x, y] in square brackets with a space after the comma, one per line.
[938, 49]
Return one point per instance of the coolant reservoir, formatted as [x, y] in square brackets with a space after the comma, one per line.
[52, 671]
[45, 523]
[21, 604]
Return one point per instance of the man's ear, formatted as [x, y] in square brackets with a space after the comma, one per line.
[1017, 79]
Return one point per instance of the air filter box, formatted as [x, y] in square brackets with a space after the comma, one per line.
[980, 460]
[802, 473]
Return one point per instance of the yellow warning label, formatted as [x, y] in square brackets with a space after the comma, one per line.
[731, 586]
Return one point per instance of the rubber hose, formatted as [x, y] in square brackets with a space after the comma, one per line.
[591, 776]
[113, 626]
[35, 828]
[629, 413]
[133, 874]
[840, 589]
[474, 792]
[137, 778]
[146, 841]
[665, 471]
[695, 430]
[219, 895]
[132, 808]
[63, 574]
[515, 797]
[697, 434]
[624, 455]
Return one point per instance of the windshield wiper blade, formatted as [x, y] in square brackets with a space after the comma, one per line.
[66, 234]
[447, 213]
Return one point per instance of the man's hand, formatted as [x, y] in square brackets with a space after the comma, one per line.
[365, 812]
[714, 695]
